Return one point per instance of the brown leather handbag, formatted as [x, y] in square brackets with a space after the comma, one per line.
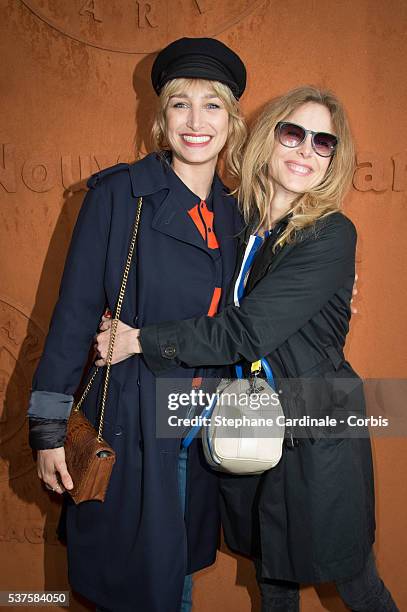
[88, 456]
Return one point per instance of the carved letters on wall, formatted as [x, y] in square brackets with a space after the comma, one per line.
[139, 26]
[379, 173]
[41, 173]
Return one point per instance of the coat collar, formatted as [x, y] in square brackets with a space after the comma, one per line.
[172, 219]
[150, 176]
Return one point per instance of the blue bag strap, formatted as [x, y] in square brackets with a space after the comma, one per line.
[255, 242]
[193, 432]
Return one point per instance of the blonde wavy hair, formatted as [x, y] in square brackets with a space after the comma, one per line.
[256, 187]
[237, 127]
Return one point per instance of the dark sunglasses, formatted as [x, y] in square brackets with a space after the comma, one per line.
[292, 135]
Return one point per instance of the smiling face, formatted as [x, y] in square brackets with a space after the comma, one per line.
[299, 169]
[197, 124]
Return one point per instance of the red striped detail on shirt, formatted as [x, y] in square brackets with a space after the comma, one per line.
[203, 219]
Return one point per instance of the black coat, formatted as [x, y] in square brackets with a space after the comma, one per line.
[133, 551]
[311, 518]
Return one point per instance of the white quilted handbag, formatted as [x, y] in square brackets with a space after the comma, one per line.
[244, 437]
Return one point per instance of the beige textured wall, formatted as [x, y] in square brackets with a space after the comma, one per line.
[75, 96]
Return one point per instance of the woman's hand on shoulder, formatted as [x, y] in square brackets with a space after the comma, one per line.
[126, 342]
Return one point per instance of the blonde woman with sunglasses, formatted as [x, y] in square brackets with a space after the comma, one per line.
[311, 518]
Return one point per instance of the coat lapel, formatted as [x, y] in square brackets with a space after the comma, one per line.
[226, 225]
[148, 177]
[173, 220]
[265, 263]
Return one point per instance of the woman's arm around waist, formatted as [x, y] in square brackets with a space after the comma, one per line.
[278, 306]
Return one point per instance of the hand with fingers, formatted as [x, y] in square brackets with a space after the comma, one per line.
[52, 470]
[126, 341]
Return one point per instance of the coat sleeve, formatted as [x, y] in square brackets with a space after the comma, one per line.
[278, 306]
[80, 305]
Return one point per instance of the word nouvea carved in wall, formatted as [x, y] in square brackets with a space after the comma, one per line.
[44, 171]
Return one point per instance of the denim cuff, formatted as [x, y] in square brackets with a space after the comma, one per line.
[50, 405]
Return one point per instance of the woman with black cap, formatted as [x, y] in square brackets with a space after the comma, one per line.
[133, 551]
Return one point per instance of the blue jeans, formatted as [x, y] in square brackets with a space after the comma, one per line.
[364, 592]
[186, 602]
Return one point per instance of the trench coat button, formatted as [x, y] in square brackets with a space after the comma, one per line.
[169, 351]
[135, 320]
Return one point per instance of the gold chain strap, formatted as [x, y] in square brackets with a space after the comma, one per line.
[86, 391]
[113, 328]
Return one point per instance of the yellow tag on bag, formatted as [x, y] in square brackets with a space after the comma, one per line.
[255, 367]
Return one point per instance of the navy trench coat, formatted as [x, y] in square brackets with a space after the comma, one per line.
[311, 518]
[134, 550]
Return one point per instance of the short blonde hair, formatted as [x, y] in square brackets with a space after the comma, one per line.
[237, 128]
[256, 188]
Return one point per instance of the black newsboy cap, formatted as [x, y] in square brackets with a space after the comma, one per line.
[199, 58]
